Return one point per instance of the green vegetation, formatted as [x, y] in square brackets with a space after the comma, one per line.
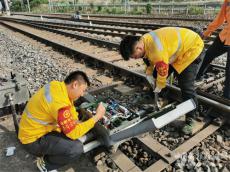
[194, 10]
[16, 6]
[80, 8]
[136, 11]
[36, 3]
[19, 5]
[91, 6]
[148, 8]
[99, 8]
[114, 7]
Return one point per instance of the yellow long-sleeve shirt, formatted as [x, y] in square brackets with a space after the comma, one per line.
[170, 45]
[222, 17]
[41, 114]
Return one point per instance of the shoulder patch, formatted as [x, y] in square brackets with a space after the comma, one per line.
[162, 68]
[65, 120]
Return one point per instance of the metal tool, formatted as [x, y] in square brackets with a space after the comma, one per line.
[13, 92]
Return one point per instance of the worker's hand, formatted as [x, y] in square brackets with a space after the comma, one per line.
[203, 36]
[157, 90]
[100, 112]
[151, 81]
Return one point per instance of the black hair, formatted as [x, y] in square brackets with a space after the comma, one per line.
[77, 75]
[127, 45]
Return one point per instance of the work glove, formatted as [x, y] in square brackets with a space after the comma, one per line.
[157, 90]
[151, 81]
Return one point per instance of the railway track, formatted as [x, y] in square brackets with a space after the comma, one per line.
[146, 17]
[99, 58]
[137, 22]
[97, 29]
[147, 153]
[116, 60]
[140, 25]
[126, 17]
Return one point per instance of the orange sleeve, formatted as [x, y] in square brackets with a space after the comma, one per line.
[218, 21]
[69, 125]
[162, 74]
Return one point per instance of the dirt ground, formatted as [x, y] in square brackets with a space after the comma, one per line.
[21, 161]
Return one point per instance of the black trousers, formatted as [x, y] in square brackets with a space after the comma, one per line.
[216, 49]
[186, 80]
[57, 149]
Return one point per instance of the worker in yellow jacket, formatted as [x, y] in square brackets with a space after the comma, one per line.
[220, 45]
[165, 50]
[50, 128]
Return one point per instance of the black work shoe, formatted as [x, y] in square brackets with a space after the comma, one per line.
[188, 127]
[42, 165]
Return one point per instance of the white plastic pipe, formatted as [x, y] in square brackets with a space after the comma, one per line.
[179, 111]
[86, 137]
[90, 146]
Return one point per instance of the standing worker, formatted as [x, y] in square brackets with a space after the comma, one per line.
[165, 50]
[220, 45]
[77, 15]
[50, 128]
[1, 7]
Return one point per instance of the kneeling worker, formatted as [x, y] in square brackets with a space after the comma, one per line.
[166, 50]
[49, 127]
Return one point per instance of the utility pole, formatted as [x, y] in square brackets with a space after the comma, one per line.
[159, 10]
[74, 5]
[50, 6]
[22, 4]
[125, 6]
[7, 8]
[28, 4]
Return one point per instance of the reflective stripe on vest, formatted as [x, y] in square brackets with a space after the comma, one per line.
[37, 120]
[48, 99]
[156, 40]
[173, 57]
[160, 47]
[47, 93]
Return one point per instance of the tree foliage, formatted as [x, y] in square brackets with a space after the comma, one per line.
[148, 8]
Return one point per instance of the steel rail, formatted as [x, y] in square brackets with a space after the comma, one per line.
[222, 106]
[126, 17]
[74, 27]
[109, 22]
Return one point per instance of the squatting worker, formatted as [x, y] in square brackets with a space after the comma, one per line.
[220, 45]
[49, 127]
[166, 50]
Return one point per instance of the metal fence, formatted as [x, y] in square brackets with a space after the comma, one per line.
[156, 8]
